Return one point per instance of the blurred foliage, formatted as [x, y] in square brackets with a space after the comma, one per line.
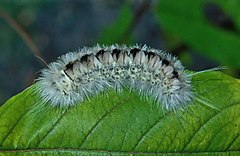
[231, 8]
[110, 36]
[189, 22]
[203, 33]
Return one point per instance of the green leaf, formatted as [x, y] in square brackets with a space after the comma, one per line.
[186, 19]
[125, 124]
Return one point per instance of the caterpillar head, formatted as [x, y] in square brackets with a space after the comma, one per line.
[63, 83]
[55, 83]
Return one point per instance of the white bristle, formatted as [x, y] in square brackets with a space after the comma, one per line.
[79, 75]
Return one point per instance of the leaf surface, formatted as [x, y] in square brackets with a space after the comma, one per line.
[125, 124]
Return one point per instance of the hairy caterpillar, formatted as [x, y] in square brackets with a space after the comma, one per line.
[76, 76]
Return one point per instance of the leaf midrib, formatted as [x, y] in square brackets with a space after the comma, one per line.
[107, 151]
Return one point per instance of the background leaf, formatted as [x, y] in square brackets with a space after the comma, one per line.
[187, 20]
[232, 8]
[125, 124]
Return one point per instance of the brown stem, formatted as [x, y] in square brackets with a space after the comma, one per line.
[25, 37]
[143, 7]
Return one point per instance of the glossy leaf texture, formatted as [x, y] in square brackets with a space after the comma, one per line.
[125, 124]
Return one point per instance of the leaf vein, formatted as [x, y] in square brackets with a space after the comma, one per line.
[10, 131]
[52, 128]
[147, 131]
[198, 130]
[97, 123]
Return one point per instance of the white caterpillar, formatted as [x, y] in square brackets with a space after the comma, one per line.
[77, 76]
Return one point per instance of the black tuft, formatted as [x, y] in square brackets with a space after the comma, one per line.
[134, 51]
[150, 55]
[100, 52]
[166, 62]
[175, 74]
[69, 66]
[84, 58]
[117, 52]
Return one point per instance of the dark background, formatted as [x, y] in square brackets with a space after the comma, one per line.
[203, 34]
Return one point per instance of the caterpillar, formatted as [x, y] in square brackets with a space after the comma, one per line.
[77, 76]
